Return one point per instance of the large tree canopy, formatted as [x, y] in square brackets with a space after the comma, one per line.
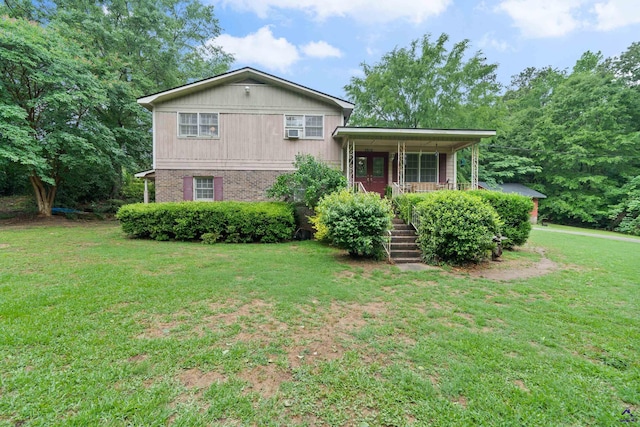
[581, 129]
[133, 48]
[426, 86]
[48, 104]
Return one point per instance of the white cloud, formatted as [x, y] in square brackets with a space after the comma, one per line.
[488, 41]
[260, 48]
[544, 18]
[320, 49]
[616, 13]
[416, 11]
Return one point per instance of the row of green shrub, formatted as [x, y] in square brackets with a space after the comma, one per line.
[460, 226]
[233, 222]
[357, 222]
[514, 211]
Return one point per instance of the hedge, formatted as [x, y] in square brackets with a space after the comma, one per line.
[514, 211]
[456, 227]
[232, 222]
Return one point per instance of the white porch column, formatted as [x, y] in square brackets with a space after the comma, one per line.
[401, 157]
[146, 190]
[475, 151]
[351, 161]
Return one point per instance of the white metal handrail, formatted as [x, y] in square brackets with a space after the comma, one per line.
[387, 244]
[414, 218]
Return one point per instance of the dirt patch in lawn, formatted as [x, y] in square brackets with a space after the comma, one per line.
[512, 269]
[265, 380]
[195, 378]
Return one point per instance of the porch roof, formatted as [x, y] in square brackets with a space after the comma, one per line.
[455, 139]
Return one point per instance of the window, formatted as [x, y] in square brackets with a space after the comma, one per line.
[311, 127]
[203, 188]
[198, 125]
[421, 167]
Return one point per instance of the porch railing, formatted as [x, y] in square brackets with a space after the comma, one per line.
[358, 187]
[423, 187]
[396, 190]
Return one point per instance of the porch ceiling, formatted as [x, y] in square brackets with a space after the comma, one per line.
[424, 139]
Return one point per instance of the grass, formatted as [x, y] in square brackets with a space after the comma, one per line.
[587, 230]
[98, 329]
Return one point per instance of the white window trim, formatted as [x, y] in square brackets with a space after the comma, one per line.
[198, 125]
[420, 154]
[195, 192]
[303, 127]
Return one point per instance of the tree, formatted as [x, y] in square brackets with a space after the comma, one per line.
[426, 86]
[134, 48]
[48, 104]
[508, 157]
[309, 183]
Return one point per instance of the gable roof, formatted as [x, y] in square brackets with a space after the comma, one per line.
[523, 190]
[238, 76]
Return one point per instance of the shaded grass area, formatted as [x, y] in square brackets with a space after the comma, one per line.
[99, 329]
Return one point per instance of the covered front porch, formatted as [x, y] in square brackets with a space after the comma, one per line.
[407, 160]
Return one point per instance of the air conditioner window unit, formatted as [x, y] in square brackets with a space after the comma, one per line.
[293, 133]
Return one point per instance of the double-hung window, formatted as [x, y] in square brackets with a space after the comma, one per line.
[198, 125]
[309, 126]
[421, 167]
[203, 188]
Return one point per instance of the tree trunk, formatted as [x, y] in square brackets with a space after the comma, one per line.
[44, 195]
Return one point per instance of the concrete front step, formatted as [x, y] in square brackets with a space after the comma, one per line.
[404, 249]
[403, 233]
[407, 260]
[406, 254]
[403, 239]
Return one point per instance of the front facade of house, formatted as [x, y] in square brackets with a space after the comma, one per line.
[229, 137]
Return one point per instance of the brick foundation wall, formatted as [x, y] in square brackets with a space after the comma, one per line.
[247, 186]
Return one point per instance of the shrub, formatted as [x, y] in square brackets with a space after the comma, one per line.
[235, 222]
[514, 211]
[456, 227]
[309, 183]
[356, 222]
[405, 202]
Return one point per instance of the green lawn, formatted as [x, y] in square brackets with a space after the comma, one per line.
[98, 329]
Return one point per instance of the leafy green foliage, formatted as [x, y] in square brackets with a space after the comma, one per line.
[426, 85]
[357, 222]
[626, 215]
[132, 49]
[49, 99]
[456, 227]
[581, 130]
[232, 222]
[311, 181]
[514, 211]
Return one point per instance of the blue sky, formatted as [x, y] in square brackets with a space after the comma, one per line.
[321, 43]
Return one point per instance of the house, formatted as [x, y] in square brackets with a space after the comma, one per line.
[228, 138]
[517, 189]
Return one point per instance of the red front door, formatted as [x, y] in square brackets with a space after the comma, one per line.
[372, 170]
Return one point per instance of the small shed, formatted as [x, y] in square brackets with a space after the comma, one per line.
[514, 188]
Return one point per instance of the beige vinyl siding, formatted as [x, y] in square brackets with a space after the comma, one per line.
[246, 141]
[261, 98]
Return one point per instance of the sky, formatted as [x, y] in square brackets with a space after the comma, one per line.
[321, 44]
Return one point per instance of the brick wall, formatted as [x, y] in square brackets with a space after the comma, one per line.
[237, 185]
